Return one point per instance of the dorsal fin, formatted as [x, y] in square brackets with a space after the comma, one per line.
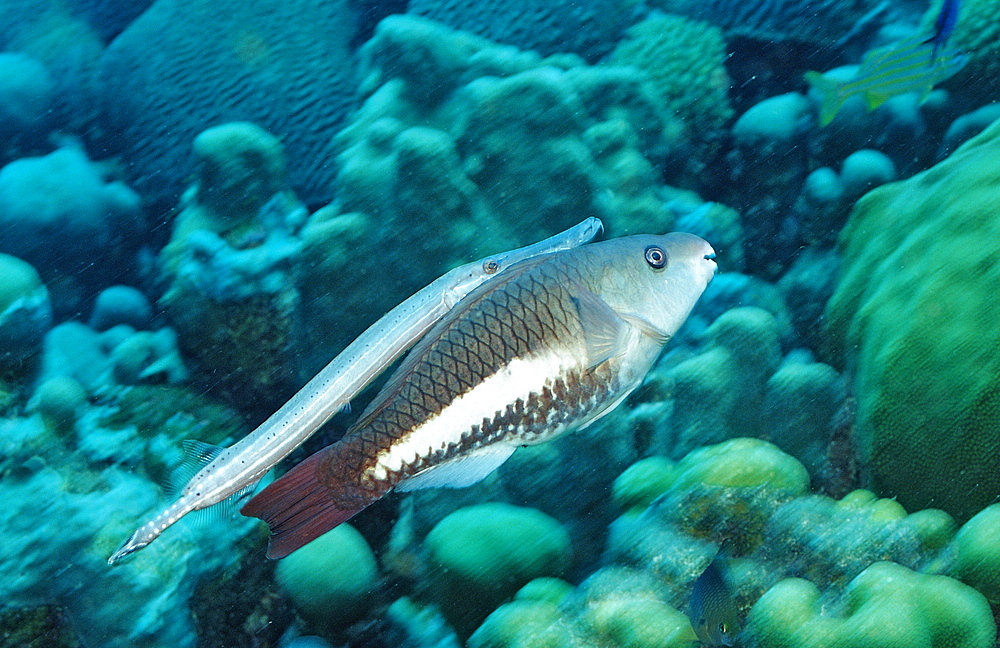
[197, 455]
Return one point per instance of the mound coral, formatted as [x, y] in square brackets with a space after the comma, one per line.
[25, 312]
[922, 611]
[913, 317]
[232, 259]
[65, 195]
[482, 554]
[464, 146]
[328, 579]
[283, 65]
[753, 499]
[775, 20]
[684, 60]
[585, 28]
[27, 93]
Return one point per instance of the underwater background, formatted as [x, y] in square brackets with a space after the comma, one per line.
[203, 201]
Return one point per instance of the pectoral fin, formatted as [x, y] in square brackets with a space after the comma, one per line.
[604, 330]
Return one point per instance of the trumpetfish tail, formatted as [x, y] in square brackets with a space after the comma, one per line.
[297, 508]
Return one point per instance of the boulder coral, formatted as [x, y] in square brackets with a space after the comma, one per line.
[586, 29]
[231, 265]
[776, 20]
[615, 607]
[330, 578]
[977, 36]
[684, 60]
[718, 394]
[753, 500]
[64, 196]
[914, 320]
[480, 555]
[977, 553]
[461, 147]
[886, 605]
[283, 65]
[25, 312]
[27, 90]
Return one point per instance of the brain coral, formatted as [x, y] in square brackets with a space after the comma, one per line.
[184, 66]
[684, 59]
[915, 316]
[586, 28]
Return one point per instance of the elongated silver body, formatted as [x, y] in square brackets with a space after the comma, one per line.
[551, 345]
[230, 471]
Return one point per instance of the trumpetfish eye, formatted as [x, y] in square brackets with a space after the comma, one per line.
[490, 266]
[656, 257]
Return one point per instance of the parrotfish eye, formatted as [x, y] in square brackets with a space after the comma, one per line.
[490, 266]
[656, 257]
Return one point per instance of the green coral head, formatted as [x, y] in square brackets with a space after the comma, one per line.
[742, 463]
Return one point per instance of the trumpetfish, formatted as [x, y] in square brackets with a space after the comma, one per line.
[551, 345]
[234, 471]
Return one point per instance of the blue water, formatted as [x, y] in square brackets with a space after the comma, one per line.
[202, 203]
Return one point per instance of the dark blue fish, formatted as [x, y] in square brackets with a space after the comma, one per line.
[713, 611]
[943, 26]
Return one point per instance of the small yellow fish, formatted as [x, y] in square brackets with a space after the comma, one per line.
[911, 65]
[712, 610]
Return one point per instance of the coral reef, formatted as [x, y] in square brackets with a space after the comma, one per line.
[120, 305]
[480, 555]
[25, 313]
[64, 196]
[588, 29]
[231, 264]
[329, 579]
[464, 146]
[27, 97]
[65, 510]
[66, 45]
[283, 65]
[976, 559]
[766, 20]
[684, 60]
[923, 611]
[103, 361]
[977, 36]
[911, 318]
[782, 547]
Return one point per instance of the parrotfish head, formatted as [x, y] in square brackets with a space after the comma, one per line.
[655, 277]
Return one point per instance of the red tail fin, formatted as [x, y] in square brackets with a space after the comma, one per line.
[297, 508]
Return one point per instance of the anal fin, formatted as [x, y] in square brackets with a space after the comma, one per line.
[297, 508]
[462, 471]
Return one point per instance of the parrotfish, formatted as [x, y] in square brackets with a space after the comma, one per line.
[911, 65]
[229, 473]
[713, 610]
[553, 344]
